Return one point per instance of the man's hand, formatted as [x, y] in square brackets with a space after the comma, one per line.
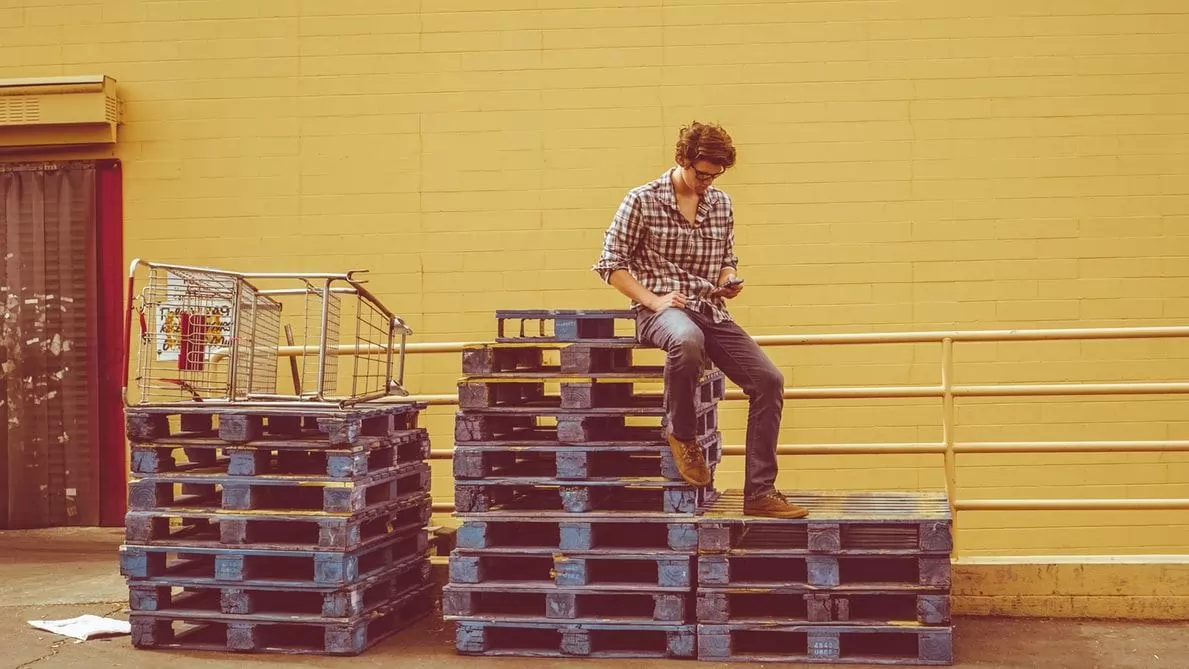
[728, 290]
[662, 302]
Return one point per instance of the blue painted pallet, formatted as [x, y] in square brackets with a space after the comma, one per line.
[289, 569]
[541, 602]
[824, 571]
[559, 325]
[307, 604]
[655, 569]
[282, 455]
[793, 604]
[568, 425]
[205, 489]
[556, 495]
[191, 528]
[576, 461]
[525, 393]
[596, 532]
[222, 632]
[547, 359]
[835, 644]
[246, 423]
[562, 639]
[839, 522]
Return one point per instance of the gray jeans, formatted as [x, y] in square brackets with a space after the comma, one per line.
[689, 338]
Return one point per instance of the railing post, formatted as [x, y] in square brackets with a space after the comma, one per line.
[947, 433]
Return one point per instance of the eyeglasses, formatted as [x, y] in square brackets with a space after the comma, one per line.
[707, 176]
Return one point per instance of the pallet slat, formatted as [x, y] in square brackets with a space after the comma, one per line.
[215, 528]
[576, 462]
[654, 570]
[746, 642]
[246, 423]
[336, 637]
[277, 492]
[569, 640]
[537, 602]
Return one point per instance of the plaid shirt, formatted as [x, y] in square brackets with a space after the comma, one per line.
[650, 238]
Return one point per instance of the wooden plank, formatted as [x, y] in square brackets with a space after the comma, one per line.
[266, 603]
[831, 644]
[577, 462]
[541, 602]
[657, 570]
[489, 495]
[231, 633]
[826, 571]
[292, 529]
[270, 567]
[559, 639]
[592, 532]
[245, 423]
[801, 604]
[219, 490]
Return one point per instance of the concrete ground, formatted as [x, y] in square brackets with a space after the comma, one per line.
[62, 573]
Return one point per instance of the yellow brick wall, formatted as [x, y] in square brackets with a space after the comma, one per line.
[904, 165]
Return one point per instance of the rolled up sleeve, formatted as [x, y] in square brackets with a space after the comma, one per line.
[621, 239]
[729, 258]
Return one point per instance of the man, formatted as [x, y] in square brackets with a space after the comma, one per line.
[670, 248]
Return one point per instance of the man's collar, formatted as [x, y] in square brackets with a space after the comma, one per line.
[668, 195]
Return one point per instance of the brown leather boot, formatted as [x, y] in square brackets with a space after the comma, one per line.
[691, 461]
[773, 505]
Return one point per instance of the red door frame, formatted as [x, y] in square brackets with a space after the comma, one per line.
[107, 407]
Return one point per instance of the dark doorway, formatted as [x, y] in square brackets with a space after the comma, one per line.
[61, 255]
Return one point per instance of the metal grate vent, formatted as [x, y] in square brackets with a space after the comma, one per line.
[16, 110]
[113, 109]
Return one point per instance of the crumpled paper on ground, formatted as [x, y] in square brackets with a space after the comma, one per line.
[84, 627]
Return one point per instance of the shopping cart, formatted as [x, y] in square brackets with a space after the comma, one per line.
[215, 337]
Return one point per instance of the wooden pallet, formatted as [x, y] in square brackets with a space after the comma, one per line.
[567, 425]
[655, 570]
[885, 644]
[589, 533]
[541, 602]
[555, 495]
[306, 604]
[824, 571]
[562, 325]
[239, 424]
[576, 462]
[279, 634]
[281, 455]
[290, 569]
[838, 523]
[558, 639]
[206, 489]
[607, 360]
[524, 394]
[794, 605]
[193, 528]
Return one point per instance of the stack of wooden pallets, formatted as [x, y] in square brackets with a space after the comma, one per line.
[286, 531]
[864, 579]
[578, 536]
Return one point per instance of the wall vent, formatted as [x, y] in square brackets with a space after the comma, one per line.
[58, 111]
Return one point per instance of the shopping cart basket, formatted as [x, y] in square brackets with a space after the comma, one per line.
[214, 336]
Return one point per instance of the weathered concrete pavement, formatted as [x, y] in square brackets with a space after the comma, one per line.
[62, 573]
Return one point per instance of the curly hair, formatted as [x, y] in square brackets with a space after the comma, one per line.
[703, 141]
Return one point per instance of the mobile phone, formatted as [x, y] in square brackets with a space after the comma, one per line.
[733, 281]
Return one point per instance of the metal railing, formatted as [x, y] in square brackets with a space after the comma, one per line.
[947, 391]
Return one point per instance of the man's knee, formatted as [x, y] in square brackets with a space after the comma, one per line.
[769, 381]
[689, 346]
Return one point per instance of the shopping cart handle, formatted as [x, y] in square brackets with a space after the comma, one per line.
[399, 324]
